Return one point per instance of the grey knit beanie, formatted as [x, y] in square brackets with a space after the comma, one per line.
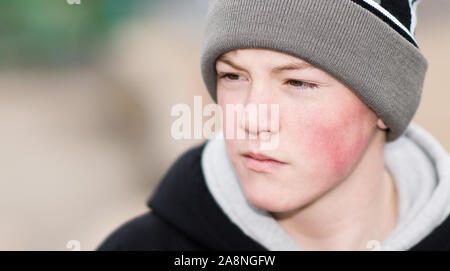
[368, 45]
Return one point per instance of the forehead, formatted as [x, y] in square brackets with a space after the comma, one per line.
[263, 58]
[261, 54]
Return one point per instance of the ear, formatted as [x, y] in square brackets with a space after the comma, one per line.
[381, 125]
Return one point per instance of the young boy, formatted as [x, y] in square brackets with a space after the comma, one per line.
[350, 171]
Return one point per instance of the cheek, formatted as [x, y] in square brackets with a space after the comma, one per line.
[339, 147]
[333, 146]
[224, 98]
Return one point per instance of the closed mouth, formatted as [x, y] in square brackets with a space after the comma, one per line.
[261, 162]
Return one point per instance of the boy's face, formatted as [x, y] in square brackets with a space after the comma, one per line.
[323, 127]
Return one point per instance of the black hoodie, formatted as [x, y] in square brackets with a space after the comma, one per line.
[185, 216]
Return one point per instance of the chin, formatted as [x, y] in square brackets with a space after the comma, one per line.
[270, 198]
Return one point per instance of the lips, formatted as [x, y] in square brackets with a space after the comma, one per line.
[261, 163]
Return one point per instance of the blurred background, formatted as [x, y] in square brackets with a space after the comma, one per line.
[86, 92]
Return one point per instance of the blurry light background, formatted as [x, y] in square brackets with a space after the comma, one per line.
[86, 93]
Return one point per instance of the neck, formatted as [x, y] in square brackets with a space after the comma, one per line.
[361, 208]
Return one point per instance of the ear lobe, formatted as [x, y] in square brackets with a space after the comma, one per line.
[381, 125]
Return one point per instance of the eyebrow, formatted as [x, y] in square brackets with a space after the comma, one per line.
[290, 66]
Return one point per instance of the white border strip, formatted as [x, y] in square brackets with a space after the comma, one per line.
[390, 16]
[413, 15]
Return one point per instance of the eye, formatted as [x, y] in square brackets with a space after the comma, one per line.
[300, 84]
[229, 76]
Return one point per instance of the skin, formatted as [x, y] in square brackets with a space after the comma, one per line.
[333, 191]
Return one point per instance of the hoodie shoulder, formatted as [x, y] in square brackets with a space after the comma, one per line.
[146, 232]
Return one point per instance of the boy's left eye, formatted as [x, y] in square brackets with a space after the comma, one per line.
[300, 84]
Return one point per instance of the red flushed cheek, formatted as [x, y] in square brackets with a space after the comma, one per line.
[337, 147]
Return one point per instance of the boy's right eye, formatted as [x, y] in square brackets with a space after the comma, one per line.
[230, 76]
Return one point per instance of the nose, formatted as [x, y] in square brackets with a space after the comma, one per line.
[260, 117]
